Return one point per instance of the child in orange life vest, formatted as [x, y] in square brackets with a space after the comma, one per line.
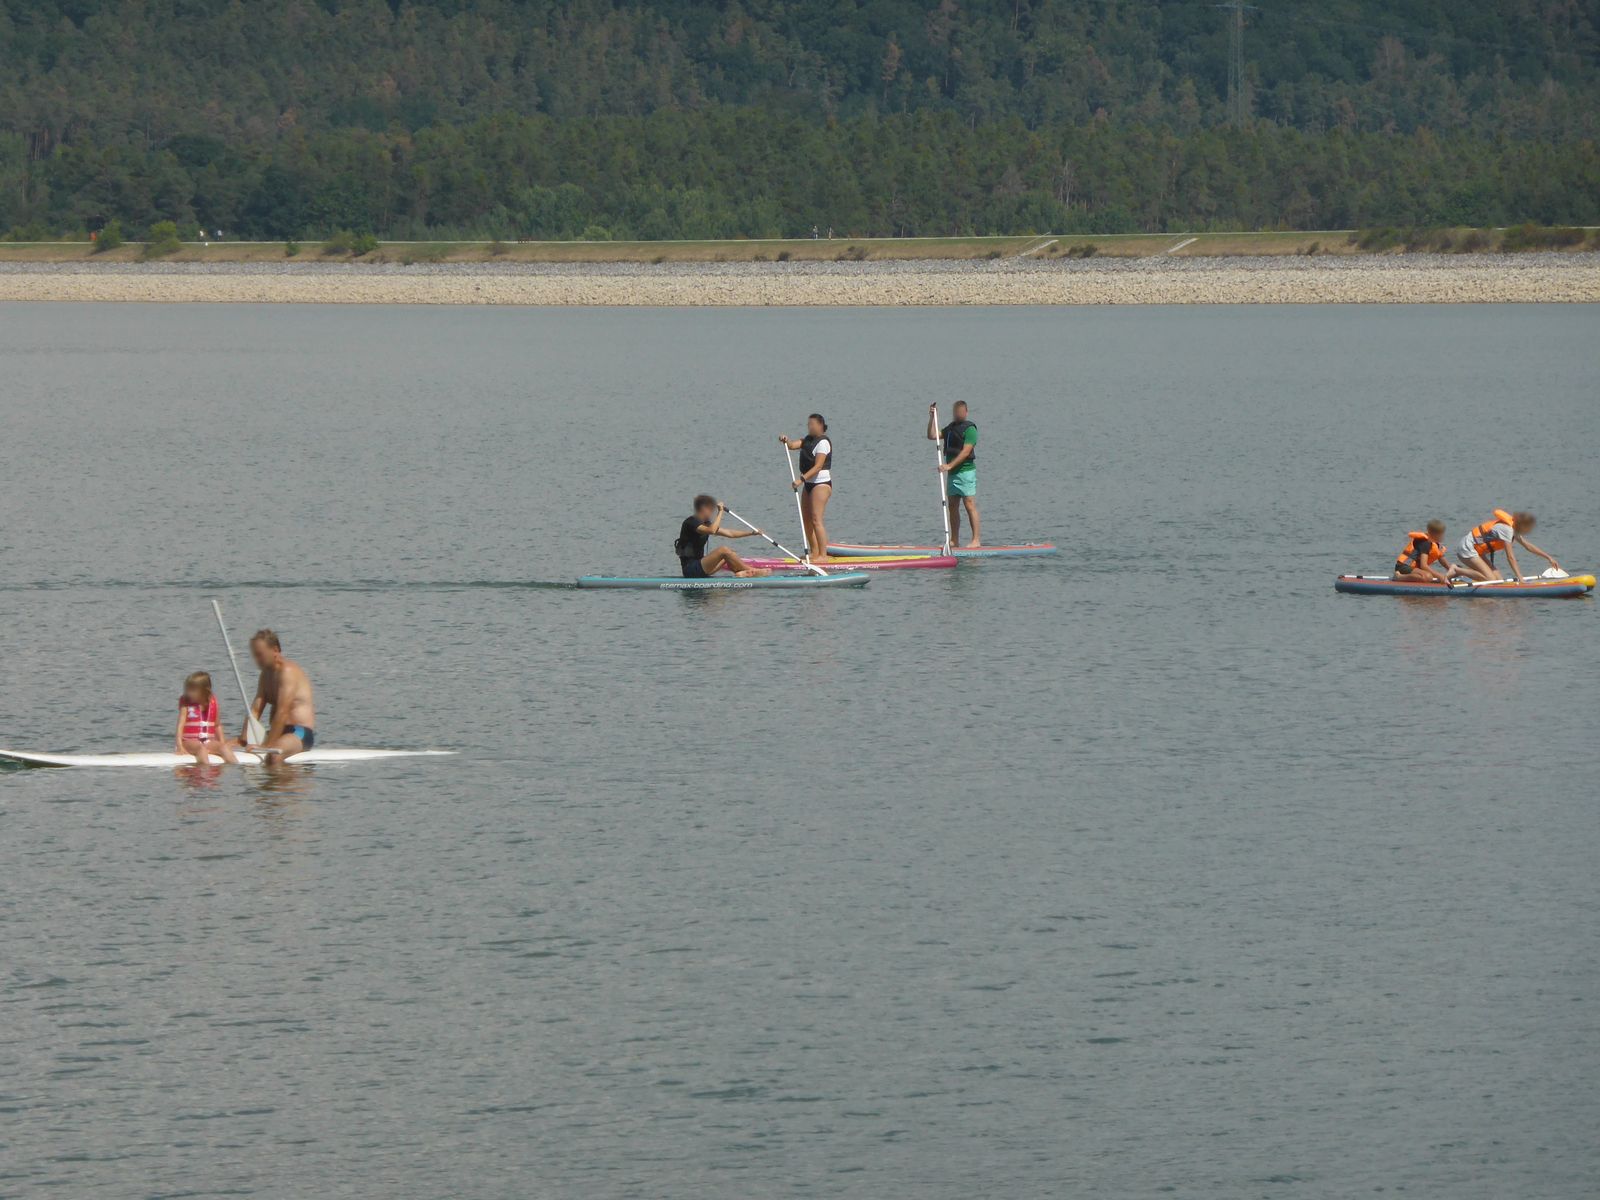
[1421, 551]
[200, 722]
[1499, 532]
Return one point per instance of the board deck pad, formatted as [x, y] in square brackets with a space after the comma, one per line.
[1021, 550]
[722, 583]
[1548, 589]
[897, 562]
[157, 758]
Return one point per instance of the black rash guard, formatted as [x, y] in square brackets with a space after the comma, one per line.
[691, 543]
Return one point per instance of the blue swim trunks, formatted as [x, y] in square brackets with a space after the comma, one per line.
[307, 735]
[963, 483]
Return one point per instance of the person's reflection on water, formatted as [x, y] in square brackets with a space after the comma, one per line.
[1499, 641]
[196, 778]
[274, 777]
[278, 778]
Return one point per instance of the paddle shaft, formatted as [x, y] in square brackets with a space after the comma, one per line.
[944, 498]
[253, 729]
[794, 478]
[799, 562]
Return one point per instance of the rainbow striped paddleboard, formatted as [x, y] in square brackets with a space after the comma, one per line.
[1025, 550]
[880, 562]
[726, 583]
[1522, 589]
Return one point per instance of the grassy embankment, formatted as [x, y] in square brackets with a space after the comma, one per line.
[1332, 242]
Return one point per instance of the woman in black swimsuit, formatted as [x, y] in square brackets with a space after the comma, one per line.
[816, 477]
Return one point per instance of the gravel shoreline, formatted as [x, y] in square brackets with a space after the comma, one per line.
[1356, 279]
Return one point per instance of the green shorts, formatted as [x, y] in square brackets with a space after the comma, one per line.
[962, 483]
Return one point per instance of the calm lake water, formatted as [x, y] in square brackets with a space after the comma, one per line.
[1157, 868]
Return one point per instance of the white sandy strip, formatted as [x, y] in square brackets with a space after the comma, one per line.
[1371, 282]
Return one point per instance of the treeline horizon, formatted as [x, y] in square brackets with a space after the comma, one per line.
[744, 173]
[656, 119]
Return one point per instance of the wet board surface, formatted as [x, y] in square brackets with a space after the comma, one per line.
[158, 759]
[725, 582]
[1021, 550]
[1527, 589]
[895, 563]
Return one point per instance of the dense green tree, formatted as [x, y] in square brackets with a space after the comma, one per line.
[702, 118]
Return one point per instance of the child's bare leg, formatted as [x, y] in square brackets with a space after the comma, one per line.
[741, 568]
[722, 557]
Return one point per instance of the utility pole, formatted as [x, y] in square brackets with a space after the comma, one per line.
[1237, 108]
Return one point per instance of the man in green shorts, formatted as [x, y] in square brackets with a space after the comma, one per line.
[960, 468]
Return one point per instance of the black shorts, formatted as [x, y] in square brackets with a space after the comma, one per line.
[693, 568]
[1403, 568]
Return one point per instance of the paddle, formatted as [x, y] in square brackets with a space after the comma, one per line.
[254, 734]
[944, 500]
[794, 478]
[799, 562]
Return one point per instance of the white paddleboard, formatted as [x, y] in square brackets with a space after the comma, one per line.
[157, 759]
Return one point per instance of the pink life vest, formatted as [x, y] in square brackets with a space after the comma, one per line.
[199, 724]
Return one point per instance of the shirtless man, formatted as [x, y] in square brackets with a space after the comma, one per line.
[284, 687]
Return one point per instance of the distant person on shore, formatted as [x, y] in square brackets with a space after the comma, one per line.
[1499, 532]
[697, 530]
[816, 479]
[200, 722]
[960, 468]
[1422, 550]
[285, 688]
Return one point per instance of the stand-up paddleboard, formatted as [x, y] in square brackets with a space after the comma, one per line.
[1023, 550]
[886, 562]
[727, 583]
[1548, 589]
[246, 757]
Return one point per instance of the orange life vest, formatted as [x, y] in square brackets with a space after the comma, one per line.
[1484, 539]
[1408, 556]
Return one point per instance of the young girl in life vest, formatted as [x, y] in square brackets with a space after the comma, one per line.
[1478, 548]
[200, 722]
[1422, 550]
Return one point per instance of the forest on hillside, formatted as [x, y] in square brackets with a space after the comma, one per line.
[545, 119]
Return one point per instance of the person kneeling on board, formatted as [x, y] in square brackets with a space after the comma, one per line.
[284, 687]
[1422, 550]
[200, 722]
[699, 529]
[1499, 532]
